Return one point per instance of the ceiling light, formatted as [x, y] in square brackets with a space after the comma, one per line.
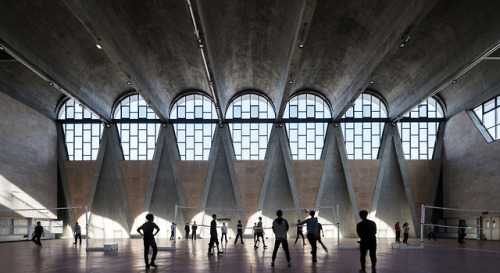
[405, 39]
[1, 47]
[454, 81]
[291, 82]
[129, 82]
[371, 81]
[51, 84]
[402, 45]
[301, 45]
[98, 44]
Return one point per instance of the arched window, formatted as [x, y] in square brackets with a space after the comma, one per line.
[250, 118]
[82, 131]
[488, 115]
[195, 118]
[138, 126]
[306, 133]
[362, 126]
[419, 137]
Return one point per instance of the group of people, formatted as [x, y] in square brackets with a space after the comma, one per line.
[366, 230]
[406, 231]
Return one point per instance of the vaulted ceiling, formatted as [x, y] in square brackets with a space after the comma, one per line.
[166, 48]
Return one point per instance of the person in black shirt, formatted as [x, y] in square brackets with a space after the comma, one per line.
[239, 228]
[213, 236]
[37, 233]
[320, 229]
[366, 230]
[299, 233]
[187, 229]
[149, 239]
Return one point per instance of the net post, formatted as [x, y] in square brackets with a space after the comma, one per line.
[338, 226]
[86, 229]
[175, 225]
[422, 219]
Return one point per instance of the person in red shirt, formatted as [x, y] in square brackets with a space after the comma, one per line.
[397, 228]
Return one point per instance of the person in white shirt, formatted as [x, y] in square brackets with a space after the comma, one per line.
[223, 230]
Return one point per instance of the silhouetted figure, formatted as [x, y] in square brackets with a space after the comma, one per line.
[406, 231]
[172, 231]
[259, 231]
[280, 229]
[37, 234]
[300, 233]
[77, 231]
[431, 232]
[223, 230]
[366, 230]
[187, 229]
[397, 228]
[239, 232]
[312, 226]
[320, 229]
[213, 236]
[462, 232]
[149, 239]
[194, 227]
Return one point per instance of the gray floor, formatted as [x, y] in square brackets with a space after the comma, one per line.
[62, 256]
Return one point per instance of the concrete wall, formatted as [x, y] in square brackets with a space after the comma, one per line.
[394, 187]
[471, 167]
[28, 173]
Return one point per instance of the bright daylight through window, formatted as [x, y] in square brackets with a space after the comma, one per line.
[250, 122]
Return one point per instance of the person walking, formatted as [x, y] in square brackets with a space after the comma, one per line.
[280, 229]
[239, 231]
[148, 234]
[299, 233]
[320, 228]
[406, 231]
[312, 233]
[77, 231]
[397, 228]
[194, 227]
[37, 234]
[213, 236]
[366, 230]
[223, 230]
[260, 233]
[172, 231]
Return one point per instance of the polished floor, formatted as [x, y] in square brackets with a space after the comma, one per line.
[62, 256]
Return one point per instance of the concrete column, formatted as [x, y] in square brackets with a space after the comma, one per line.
[62, 155]
[393, 199]
[108, 203]
[278, 189]
[165, 189]
[336, 183]
[221, 189]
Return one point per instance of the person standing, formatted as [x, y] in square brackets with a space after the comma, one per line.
[146, 230]
[397, 228]
[77, 231]
[187, 229]
[406, 231]
[37, 233]
[431, 232]
[239, 230]
[299, 233]
[280, 229]
[320, 229]
[213, 236]
[223, 230]
[259, 233]
[366, 230]
[172, 231]
[254, 231]
[194, 227]
[312, 226]
[462, 231]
